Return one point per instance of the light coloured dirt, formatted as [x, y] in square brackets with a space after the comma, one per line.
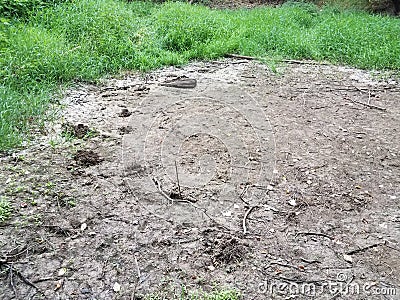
[286, 180]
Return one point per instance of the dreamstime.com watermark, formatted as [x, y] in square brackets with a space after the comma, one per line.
[341, 286]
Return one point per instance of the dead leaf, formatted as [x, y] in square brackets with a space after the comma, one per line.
[348, 258]
[116, 287]
[62, 271]
[58, 285]
[83, 226]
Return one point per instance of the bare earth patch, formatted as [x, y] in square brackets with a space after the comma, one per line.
[276, 184]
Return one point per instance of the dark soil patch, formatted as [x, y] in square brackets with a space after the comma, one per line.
[87, 158]
[79, 131]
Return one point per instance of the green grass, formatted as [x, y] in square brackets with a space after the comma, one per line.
[5, 209]
[186, 295]
[83, 40]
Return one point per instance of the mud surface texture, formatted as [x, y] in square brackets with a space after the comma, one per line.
[279, 184]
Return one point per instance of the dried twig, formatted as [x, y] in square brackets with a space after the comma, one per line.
[15, 271]
[8, 255]
[245, 218]
[305, 62]
[143, 206]
[241, 56]
[365, 248]
[180, 242]
[315, 233]
[44, 279]
[292, 61]
[391, 247]
[283, 265]
[197, 207]
[133, 296]
[310, 261]
[368, 105]
[137, 268]
[177, 179]
[158, 185]
[298, 280]
[10, 270]
[243, 193]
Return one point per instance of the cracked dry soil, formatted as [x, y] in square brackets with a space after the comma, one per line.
[305, 192]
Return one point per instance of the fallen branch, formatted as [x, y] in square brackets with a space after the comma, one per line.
[245, 218]
[365, 248]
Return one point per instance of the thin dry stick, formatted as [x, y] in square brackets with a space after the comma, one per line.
[310, 261]
[137, 268]
[133, 297]
[283, 265]
[391, 247]
[315, 233]
[292, 61]
[369, 105]
[44, 279]
[305, 62]
[245, 218]
[158, 185]
[241, 56]
[143, 206]
[12, 283]
[15, 271]
[243, 193]
[365, 248]
[177, 179]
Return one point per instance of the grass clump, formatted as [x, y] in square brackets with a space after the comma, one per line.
[186, 295]
[83, 40]
[5, 209]
[22, 8]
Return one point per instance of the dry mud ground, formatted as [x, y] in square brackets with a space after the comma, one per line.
[289, 187]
